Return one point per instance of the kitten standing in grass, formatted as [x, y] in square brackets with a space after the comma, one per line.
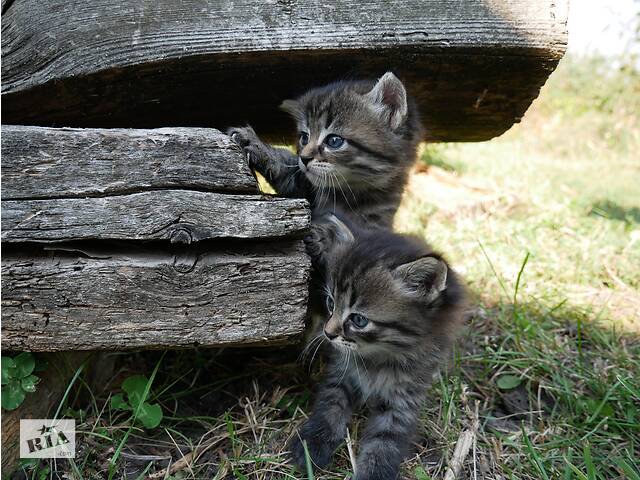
[393, 307]
[357, 141]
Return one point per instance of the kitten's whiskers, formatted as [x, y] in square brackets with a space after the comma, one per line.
[346, 364]
[333, 189]
[342, 191]
[305, 352]
[364, 365]
[355, 360]
[322, 339]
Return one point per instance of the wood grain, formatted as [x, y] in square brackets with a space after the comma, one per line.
[134, 297]
[177, 215]
[62, 162]
[474, 66]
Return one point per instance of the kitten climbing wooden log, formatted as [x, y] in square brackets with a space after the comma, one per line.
[474, 66]
[121, 239]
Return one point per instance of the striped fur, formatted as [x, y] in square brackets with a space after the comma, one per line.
[366, 174]
[412, 302]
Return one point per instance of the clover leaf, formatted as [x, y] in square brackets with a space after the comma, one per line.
[149, 415]
[29, 383]
[17, 379]
[508, 382]
[134, 386]
[8, 370]
[119, 403]
[12, 395]
[25, 363]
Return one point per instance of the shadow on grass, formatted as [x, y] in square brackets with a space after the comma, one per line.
[613, 211]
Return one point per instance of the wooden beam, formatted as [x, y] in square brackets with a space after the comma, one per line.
[177, 215]
[138, 297]
[65, 163]
[474, 66]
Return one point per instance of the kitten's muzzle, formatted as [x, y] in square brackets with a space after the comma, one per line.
[330, 335]
[305, 160]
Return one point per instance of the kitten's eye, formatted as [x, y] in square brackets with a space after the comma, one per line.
[334, 141]
[330, 305]
[304, 138]
[358, 320]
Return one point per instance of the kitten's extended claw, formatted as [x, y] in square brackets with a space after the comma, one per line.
[254, 150]
[242, 136]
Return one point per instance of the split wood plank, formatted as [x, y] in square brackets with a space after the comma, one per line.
[65, 162]
[120, 299]
[180, 216]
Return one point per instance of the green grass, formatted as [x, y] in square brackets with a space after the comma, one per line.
[544, 223]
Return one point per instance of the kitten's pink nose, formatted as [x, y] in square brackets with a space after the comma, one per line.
[330, 335]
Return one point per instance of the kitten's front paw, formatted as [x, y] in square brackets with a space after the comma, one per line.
[320, 452]
[313, 242]
[254, 150]
[382, 474]
[318, 241]
[380, 468]
[242, 136]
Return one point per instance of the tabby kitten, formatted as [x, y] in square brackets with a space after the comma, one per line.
[357, 142]
[393, 306]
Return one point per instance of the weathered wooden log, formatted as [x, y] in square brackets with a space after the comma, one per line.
[135, 297]
[474, 66]
[88, 198]
[66, 163]
[177, 215]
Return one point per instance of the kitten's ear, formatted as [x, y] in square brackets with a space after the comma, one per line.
[426, 276]
[293, 108]
[389, 98]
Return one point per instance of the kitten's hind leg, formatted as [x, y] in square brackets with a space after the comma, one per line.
[325, 429]
[386, 441]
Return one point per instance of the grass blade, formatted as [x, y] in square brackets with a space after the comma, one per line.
[628, 469]
[145, 395]
[515, 292]
[588, 461]
[71, 383]
[307, 460]
[533, 456]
